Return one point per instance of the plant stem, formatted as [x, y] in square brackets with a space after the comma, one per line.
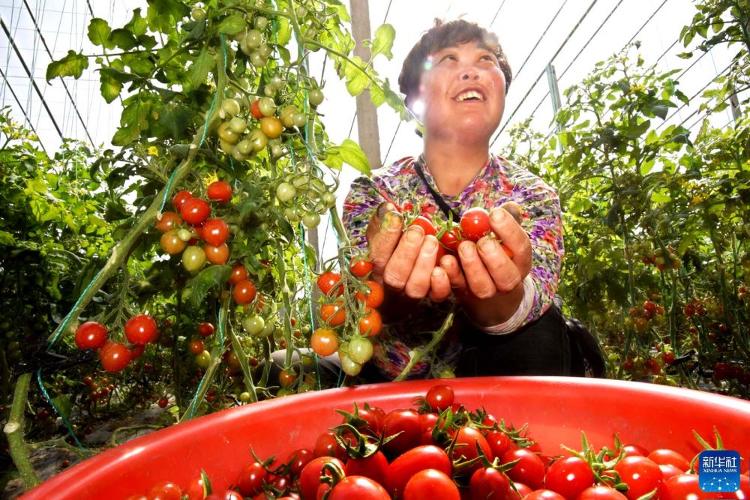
[420, 352]
[19, 452]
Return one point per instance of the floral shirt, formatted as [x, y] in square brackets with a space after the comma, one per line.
[498, 182]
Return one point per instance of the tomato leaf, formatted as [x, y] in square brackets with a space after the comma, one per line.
[123, 39]
[198, 72]
[357, 84]
[99, 32]
[111, 86]
[383, 41]
[72, 64]
[208, 279]
[350, 153]
[233, 24]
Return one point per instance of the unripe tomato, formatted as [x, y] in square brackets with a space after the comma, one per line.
[171, 242]
[316, 97]
[271, 127]
[285, 192]
[203, 359]
[360, 350]
[258, 139]
[349, 366]
[228, 135]
[141, 329]
[169, 220]
[267, 107]
[230, 107]
[217, 255]
[254, 324]
[237, 125]
[311, 220]
[193, 258]
[91, 335]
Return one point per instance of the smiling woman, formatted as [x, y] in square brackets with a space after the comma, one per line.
[502, 284]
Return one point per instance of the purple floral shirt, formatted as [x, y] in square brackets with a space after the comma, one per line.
[498, 182]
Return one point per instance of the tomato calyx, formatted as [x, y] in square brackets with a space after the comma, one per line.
[365, 445]
[355, 419]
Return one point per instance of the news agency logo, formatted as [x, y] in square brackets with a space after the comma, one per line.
[719, 471]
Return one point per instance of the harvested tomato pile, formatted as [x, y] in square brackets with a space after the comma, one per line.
[440, 450]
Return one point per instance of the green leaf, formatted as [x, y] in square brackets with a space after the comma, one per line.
[198, 72]
[137, 24]
[6, 238]
[636, 130]
[163, 15]
[353, 155]
[206, 280]
[383, 41]
[123, 39]
[232, 24]
[660, 196]
[99, 31]
[125, 135]
[72, 64]
[357, 84]
[284, 34]
[111, 86]
[63, 405]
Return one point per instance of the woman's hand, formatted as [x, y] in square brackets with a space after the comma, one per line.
[484, 277]
[405, 260]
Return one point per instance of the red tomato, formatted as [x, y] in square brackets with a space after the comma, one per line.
[334, 314]
[360, 267]
[682, 486]
[431, 484]
[368, 419]
[375, 467]
[487, 482]
[141, 329]
[166, 490]
[358, 487]
[665, 456]
[439, 397]
[569, 476]
[425, 224]
[451, 239]
[195, 210]
[427, 422]
[529, 470]
[169, 220]
[669, 470]
[499, 442]
[309, 478]
[206, 329]
[641, 475]
[180, 198]
[634, 449]
[327, 446]
[137, 351]
[601, 492]
[373, 295]
[244, 292]
[114, 356]
[543, 495]
[298, 459]
[91, 335]
[405, 422]
[522, 490]
[475, 223]
[328, 281]
[371, 323]
[255, 109]
[219, 191]
[217, 255]
[251, 479]
[466, 442]
[416, 459]
[215, 232]
[196, 346]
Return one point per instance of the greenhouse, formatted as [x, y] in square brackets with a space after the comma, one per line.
[314, 249]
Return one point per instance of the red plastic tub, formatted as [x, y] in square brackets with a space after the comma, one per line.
[557, 409]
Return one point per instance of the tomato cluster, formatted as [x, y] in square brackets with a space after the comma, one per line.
[115, 356]
[357, 325]
[439, 450]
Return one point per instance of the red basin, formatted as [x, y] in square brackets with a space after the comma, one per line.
[557, 409]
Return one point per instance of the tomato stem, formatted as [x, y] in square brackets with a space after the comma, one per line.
[13, 429]
[417, 354]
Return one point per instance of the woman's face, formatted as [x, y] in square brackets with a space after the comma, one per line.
[462, 94]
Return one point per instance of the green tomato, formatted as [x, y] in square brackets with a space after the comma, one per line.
[265, 51]
[311, 220]
[254, 325]
[227, 147]
[193, 258]
[291, 215]
[300, 119]
[267, 106]
[268, 329]
[228, 135]
[239, 155]
[285, 192]
[184, 234]
[259, 140]
[198, 14]
[261, 22]
[269, 91]
[328, 199]
[349, 366]
[277, 150]
[257, 60]
[245, 147]
[316, 97]
[203, 359]
[253, 39]
[237, 125]
[360, 350]
[230, 107]
[245, 397]
[277, 81]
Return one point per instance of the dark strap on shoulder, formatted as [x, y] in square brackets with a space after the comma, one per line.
[449, 212]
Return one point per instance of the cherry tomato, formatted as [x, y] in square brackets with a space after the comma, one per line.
[298, 459]
[600, 492]
[412, 461]
[522, 490]
[405, 422]
[196, 346]
[271, 127]
[91, 335]
[360, 349]
[368, 419]
[543, 495]
[664, 456]
[371, 323]
[467, 440]
[171, 242]
[439, 397]
[373, 295]
[328, 281]
[309, 478]
[451, 239]
[287, 378]
[239, 273]
[196, 489]
[427, 422]
[141, 329]
[641, 475]
[669, 470]
[217, 255]
[251, 479]
[180, 198]
[169, 220]
[324, 341]
[244, 292]
[206, 329]
[136, 351]
[475, 223]
[360, 267]
[569, 476]
[425, 224]
[499, 442]
[315, 96]
[193, 258]
[215, 232]
[431, 484]
[114, 356]
[634, 449]
[195, 210]
[166, 490]
[358, 487]
[375, 467]
[203, 360]
[487, 482]
[680, 487]
[334, 314]
[529, 470]
[219, 191]
[163, 402]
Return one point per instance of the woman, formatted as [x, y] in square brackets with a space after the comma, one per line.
[455, 80]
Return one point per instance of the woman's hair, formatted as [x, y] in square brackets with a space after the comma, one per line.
[444, 35]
